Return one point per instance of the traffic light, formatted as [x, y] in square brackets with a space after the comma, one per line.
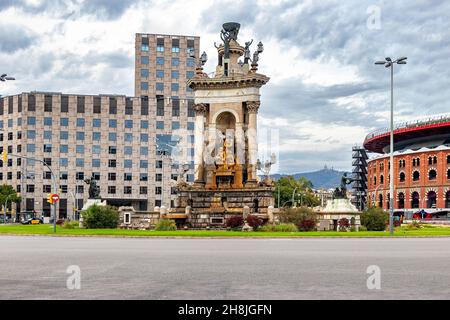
[49, 198]
[4, 155]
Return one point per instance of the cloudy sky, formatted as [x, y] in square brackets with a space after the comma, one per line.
[325, 93]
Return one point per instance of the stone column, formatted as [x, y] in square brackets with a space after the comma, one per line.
[199, 142]
[252, 110]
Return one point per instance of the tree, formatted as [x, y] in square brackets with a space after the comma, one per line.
[303, 195]
[8, 195]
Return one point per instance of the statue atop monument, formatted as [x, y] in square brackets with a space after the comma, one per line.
[94, 189]
[341, 193]
[229, 32]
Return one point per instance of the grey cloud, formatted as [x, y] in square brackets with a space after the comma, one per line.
[14, 37]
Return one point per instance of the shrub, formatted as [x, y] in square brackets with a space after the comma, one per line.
[305, 219]
[70, 225]
[100, 217]
[362, 228]
[282, 227]
[414, 225]
[166, 225]
[344, 224]
[375, 219]
[254, 221]
[235, 222]
[397, 223]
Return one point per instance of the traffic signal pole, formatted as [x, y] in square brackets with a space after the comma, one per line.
[55, 187]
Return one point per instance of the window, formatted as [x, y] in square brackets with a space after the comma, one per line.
[111, 189]
[157, 190]
[128, 150]
[97, 106]
[31, 147]
[144, 59]
[143, 190]
[127, 190]
[31, 121]
[159, 73]
[96, 123]
[80, 135]
[128, 137]
[143, 151]
[63, 190]
[47, 148]
[112, 150]
[144, 47]
[144, 85]
[159, 105]
[144, 124]
[96, 163]
[112, 163]
[159, 124]
[112, 176]
[47, 121]
[79, 162]
[175, 74]
[112, 106]
[96, 149]
[63, 175]
[175, 125]
[144, 73]
[143, 164]
[64, 122]
[129, 124]
[112, 136]
[175, 62]
[80, 122]
[159, 164]
[160, 61]
[129, 105]
[159, 86]
[10, 123]
[127, 176]
[112, 123]
[80, 104]
[80, 189]
[448, 159]
[402, 177]
[144, 137]
[63, 162]
[175, 86]
[190, 62]
[144, 106]
[46, 188]
[79, 148]
[143, 177]
[31, 134]
[191, 111]
[31, 102]
[189, 74]
[30, 187]
[96, 136]
[432, 174]
[416, 176]
[63, 148]
[128, 163]
[190, 125]
[175, 107]
[381, 179]
[79, 176]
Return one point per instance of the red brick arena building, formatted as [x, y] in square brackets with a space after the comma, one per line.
[421, 168]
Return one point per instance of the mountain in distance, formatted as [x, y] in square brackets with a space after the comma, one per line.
[321, 179]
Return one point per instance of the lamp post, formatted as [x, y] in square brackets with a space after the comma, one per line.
[389, 63]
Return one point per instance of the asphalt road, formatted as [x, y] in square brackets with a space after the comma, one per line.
[129, 268]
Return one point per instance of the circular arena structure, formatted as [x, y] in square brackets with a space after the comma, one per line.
[421, 168]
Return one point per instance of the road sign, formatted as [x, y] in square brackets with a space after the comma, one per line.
[55, 197]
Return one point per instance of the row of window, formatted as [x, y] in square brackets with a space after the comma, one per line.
[80, 105]
[30, 188]
[416, 162]
[159, 86]
[175, 74]
[175, 62]
[432, 175]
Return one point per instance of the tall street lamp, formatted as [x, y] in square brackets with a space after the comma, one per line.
[389, 63]
[5, 77]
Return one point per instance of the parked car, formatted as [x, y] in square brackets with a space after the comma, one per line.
[33, 221]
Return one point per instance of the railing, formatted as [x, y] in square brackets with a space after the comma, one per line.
[411, 124]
